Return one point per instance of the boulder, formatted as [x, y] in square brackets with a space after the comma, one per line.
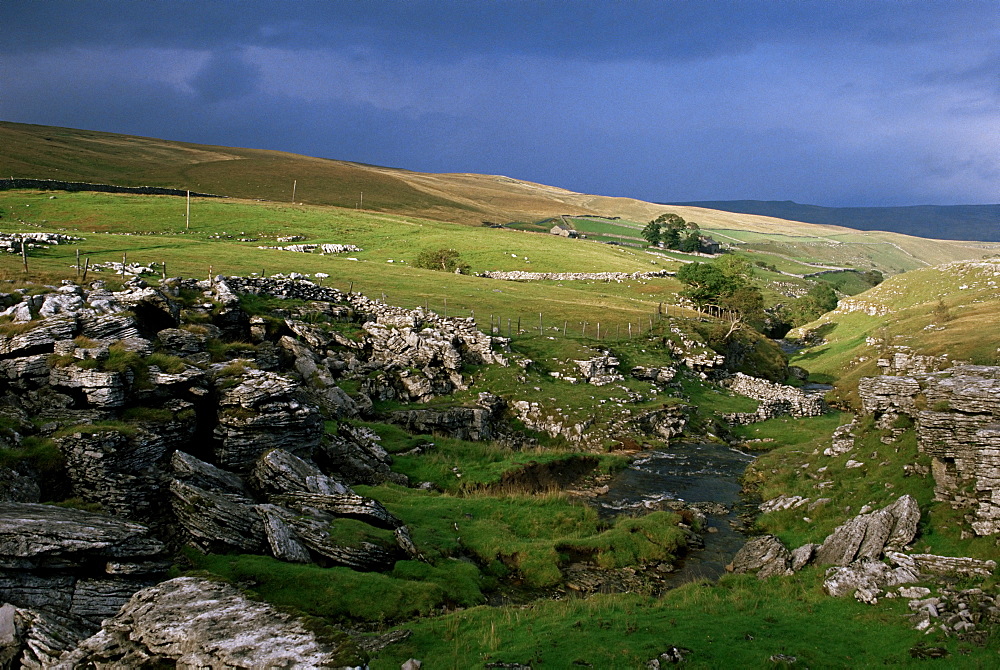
[764, 555]
[869, 535]
[281, 537]
[217, 521]
[191, 622]
[278, 472]
[349, 505]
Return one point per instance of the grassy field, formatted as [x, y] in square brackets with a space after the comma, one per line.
[952, 310]
[151, 229]
[62, 153]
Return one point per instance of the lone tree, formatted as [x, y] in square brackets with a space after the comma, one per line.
[446, 260]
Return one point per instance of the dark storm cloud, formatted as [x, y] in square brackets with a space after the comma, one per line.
[225, 76]
[829, 102]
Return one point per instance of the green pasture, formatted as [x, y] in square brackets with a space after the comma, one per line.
[739, 622]
[151, 229]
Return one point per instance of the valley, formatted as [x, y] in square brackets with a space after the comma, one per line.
[278, 409]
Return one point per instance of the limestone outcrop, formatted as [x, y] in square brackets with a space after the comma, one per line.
[71, 562]
[192, 622]
[957, 417]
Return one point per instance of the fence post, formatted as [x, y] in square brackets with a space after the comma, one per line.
[630, 331]
[564, 328]
[78, 263]
[539, 323]
[584, 329]
[508, 327]
[86, 266]
[598, 331]
[124, 263]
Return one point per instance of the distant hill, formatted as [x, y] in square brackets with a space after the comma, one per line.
[939, 222]
[67, 154]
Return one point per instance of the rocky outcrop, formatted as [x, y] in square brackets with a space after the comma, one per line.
[694, 354]
[260, 411]
[867, 536]
[67, 561]
[600, 370]
[192, 622]
[957, 417]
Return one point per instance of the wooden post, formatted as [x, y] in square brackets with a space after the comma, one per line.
[564, 328]
[86, 266]
[598, 331]
[24, 252]
[518, 325]
[508, 327]
[650, 324]
[351, 290]
[362, 200]
[446, 308]
[78, 263]
[539, 323]
[163, 270]
[187, 219]
[629, 330]
[124, 263]
[584, 329]
[211, 277]
[295, 182]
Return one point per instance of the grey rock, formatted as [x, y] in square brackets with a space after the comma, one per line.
[868, 535]
[43, 536]
[217, 521]
[764, 555]
[281, 538]
[205, 475]
[278, 472]
[348, 505]
[191, 622]
[866, 578]
[802, 556]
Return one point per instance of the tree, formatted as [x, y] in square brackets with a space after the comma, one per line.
[691, 242]
[652, 232]
[706, 283]
[671, 238]
[446, 260]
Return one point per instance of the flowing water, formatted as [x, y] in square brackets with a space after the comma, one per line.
[691, 473]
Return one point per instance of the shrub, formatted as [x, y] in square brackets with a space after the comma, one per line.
[446, 260]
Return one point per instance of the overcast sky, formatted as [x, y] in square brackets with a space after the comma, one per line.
[829, 103]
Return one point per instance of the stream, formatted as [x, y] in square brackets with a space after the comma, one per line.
[691, 473]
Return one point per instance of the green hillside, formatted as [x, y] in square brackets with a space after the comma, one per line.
[45, 152]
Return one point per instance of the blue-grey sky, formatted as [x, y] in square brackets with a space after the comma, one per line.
[835, 103]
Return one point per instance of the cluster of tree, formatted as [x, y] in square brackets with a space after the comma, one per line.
[446, 260]
[673, 232]
[726, 285]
